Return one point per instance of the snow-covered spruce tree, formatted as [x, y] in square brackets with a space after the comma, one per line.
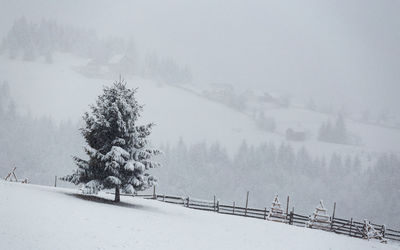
[117, 148]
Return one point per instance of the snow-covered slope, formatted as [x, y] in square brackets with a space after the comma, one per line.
[38, 217]
[58, 90]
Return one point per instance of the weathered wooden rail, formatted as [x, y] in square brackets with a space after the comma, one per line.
[337, 225]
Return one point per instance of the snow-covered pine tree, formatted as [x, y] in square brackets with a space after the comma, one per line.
[117, 148]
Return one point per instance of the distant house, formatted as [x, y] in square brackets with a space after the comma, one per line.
[222, 88]
[293, 135]
[282, 101]
[269, 98]
[225, 93]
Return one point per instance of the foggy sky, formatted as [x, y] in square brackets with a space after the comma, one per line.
[322, 49]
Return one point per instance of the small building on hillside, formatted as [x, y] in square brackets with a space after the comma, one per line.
[295, 135]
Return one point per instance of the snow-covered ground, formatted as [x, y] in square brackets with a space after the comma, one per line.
[38, 217]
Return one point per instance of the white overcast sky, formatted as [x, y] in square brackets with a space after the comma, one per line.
[350, 48]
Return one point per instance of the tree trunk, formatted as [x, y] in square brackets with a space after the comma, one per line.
[117, 197]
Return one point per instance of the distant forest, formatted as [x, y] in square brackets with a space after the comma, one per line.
[201, 171]
[32, 41]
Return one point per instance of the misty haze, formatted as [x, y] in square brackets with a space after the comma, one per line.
[199, 124]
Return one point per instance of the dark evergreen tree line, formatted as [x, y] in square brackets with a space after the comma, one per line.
[201, 171]
[334, 132]
[30, 40]
[39, 147]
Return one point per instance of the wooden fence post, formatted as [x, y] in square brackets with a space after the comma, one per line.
[265, 213]
[383, 231]
[291, 218]
[154, 192]
[233, 211]
[365, 235]
[334, 210]
[217, 206]
[214, 203]
[351, 225]
[11, 174]
[287, 205]
[333, 215]
[188, 201]
[55, 181]
[247, 203]
[16, 179]
[163, 199]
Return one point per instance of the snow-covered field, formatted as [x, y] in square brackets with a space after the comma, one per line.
[39, 217]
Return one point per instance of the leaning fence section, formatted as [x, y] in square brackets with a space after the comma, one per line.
[348, 227]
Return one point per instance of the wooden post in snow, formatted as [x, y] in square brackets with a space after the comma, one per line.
[233, 211]
[214, 203]
[247, 203]
[333, 215]
[55, 181]
[265, 213]
[16, 179]
[351, 225]
[11, 174]
[287, 205]
[291, 216]
[334, 210]
[154, 192]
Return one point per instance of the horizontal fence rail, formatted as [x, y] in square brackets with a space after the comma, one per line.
[337, 225]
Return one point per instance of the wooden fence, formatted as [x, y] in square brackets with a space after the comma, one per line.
[337, 225]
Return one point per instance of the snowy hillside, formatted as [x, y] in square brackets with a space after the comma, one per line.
[176, 112]
[63, 93]
[38, 217]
